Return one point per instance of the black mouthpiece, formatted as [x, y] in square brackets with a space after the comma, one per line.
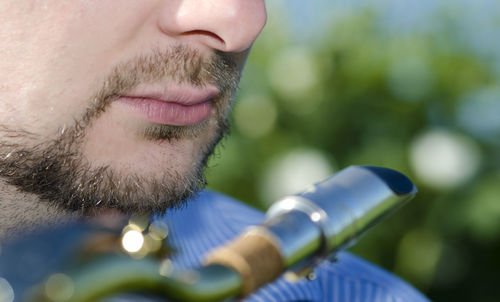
[398, 182]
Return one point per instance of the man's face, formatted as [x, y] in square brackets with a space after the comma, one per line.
[117, 103]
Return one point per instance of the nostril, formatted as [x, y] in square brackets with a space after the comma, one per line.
[204, 33]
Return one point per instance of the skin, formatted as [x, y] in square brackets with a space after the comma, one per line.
[58, 55]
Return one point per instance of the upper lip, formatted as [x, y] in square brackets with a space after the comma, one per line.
[186, 96]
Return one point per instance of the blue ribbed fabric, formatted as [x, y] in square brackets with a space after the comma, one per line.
[212, 219]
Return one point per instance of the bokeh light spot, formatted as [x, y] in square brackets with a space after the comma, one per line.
[294, 172]
[159, 229]
[139, 222]
[444, 160]
[255, 116]
[6, 291]
[294, 74]
[166, 268]
[418, 255]
[59, 287]
[293, 71]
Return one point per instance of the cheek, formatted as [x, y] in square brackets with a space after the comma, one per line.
[32, 66]
[54, 55]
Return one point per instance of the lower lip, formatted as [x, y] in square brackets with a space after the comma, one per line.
[166, 113]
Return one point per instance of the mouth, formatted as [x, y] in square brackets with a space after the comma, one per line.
[176, 106]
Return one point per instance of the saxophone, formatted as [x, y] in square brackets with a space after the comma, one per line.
[97, 261]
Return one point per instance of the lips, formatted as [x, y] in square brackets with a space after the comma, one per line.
[174, 106]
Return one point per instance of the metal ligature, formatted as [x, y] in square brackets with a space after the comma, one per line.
[299, 232]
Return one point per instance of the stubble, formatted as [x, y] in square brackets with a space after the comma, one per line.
[59, 174]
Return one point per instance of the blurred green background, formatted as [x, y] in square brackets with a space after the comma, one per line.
[410, 85]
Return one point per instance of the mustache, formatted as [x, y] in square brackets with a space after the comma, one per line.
[178, 64]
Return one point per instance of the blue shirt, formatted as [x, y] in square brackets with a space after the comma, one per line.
[212, 219]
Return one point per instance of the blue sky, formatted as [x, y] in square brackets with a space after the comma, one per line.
[309, 17]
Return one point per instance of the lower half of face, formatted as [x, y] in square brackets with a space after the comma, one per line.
[141, 144]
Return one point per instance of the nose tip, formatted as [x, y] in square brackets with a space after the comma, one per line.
[241, 24]
[225, 25]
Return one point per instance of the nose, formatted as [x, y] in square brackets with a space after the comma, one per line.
[225, 25]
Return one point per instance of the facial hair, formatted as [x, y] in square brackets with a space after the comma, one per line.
[59, 174]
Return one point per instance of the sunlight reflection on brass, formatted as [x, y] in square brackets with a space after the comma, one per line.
[59, 287]
[288, 204]
[141, 237]
[315, 216]
[296, 276]
[132, 241]
[291, 277]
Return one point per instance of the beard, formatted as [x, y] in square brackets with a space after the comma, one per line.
[58, 173]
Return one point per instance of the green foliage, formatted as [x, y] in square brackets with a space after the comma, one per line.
[369, 96]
